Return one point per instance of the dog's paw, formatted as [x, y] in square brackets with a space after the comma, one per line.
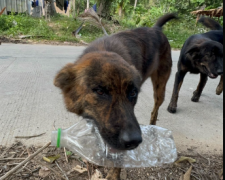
[172, 109]
[219, 90]
[195, 98]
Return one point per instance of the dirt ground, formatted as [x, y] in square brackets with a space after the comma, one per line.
[206, 167]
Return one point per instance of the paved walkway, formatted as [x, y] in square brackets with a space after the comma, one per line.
[30, 104]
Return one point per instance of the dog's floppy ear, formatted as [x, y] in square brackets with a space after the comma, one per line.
[193, 51]
[65, 77]
[217, 48]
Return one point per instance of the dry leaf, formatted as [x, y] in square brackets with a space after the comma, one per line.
[51, 159]
[182, 159]
[44, 172]
[182, 177]
[97, 175]
[80, 169]
[187, 175]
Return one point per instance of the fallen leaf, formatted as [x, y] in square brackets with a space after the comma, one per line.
[80, 169]
[44, 172]
[187, 175]
[51, 159]
[97, 175]
[183, 158]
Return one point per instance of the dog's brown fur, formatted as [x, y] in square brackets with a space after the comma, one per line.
[104, 83]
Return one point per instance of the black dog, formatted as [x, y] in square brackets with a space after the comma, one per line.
[201, 53]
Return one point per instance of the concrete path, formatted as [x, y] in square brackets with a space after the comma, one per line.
[30, 104]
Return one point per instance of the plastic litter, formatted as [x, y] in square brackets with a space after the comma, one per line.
[83, 138]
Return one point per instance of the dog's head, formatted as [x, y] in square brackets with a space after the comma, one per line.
[103, 87]
[208, 58]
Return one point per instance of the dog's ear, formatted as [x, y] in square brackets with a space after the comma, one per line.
[217, 49]
[193, 51]
[65, 77]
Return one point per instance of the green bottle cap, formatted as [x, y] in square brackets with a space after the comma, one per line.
[59, 137]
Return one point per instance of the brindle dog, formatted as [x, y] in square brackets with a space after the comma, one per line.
[201, 53]
[103, 84]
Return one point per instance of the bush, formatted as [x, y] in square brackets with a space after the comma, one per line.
[22, 24]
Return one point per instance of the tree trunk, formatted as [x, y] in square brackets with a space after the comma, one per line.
[53, 10]
[105, 6]
[74, 8]
[120, 11]
[135, 4]
[88, 4]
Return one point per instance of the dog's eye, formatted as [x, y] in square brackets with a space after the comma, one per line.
[133, 93]
[100, 91]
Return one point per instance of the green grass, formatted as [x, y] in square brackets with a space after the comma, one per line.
[60, 28]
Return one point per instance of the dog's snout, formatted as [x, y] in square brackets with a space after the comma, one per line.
[220, 71]
[131, 140]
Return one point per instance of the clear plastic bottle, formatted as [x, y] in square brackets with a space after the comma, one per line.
[84, 139]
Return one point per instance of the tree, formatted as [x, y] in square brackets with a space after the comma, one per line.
[88, 4]
[105, 8]
[135, 4]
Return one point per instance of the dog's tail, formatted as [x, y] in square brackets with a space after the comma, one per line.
[164, 19]
[210, 23]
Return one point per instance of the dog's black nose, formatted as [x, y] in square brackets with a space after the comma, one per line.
[220, 72]
[131, 140]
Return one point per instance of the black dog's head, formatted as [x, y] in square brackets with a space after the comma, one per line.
[103, 87]
[207, 57]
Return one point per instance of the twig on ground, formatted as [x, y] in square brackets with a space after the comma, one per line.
[22, 152]
[62, 170]
[54, 126]
[24, 167]
[24, 162]
[205, 159]
[89, 176]
[7, 149]
[191, 174]
[66, 155]
[9, 159]
[49, 167]
[27, 137]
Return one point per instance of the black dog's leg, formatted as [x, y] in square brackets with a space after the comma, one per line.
[198, 92]
[219, 89]
[177, 85]
[114, 174]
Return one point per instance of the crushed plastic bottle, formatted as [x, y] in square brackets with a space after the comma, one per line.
[83, 138]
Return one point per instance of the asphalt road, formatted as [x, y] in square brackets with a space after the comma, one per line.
[30, 104]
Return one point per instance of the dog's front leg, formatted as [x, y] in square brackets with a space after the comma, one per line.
[198, 92]
[219, 89]
[177, 85]
[114, 174]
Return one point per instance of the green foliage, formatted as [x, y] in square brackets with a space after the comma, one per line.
[60, 28]
[21, 24]
[145, 14]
